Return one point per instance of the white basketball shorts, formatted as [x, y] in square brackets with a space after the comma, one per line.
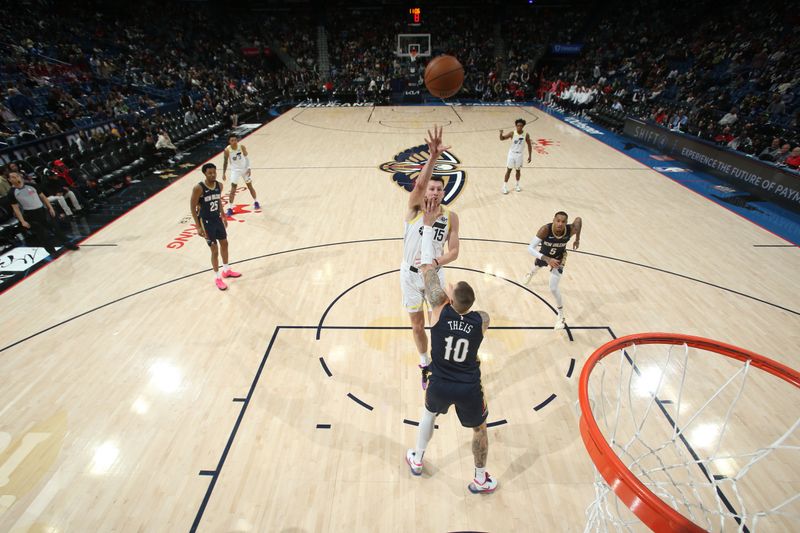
[514, 161]
[237, 174]
[413, 288]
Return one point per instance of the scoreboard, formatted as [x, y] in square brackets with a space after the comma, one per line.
[415, 16]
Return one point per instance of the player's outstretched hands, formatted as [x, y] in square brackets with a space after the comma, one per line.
[553, 263]
[576, 244]
[435, 146]
[431, 211]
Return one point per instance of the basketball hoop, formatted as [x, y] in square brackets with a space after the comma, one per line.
[677, 486]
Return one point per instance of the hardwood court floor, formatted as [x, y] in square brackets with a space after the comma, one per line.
[137, 397]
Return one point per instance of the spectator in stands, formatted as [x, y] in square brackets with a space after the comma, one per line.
[724, 137]
[783, 154]
[771, 152]
[19, 104]
[793, 159]
[5, 186]
[14, 167]
[149, 152]
[164, 144]
[776, 107]
[730, 118]
[190, 117]
[57, 190]
[31, 208]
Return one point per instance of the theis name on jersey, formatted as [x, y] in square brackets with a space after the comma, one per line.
[439, 228]
[457, 325]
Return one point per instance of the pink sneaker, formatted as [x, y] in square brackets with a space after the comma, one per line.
[220, 284]
[230, 274]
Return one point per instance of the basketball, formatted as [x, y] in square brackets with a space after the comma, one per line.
[444, 76]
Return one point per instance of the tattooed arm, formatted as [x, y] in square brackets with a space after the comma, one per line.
[484, 319]
[434, 288]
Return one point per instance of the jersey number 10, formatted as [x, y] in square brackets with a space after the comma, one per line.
[461, 349]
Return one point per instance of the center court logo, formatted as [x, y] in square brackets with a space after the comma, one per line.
[407, 165]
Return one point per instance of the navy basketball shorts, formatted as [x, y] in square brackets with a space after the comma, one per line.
[467, 397]
[542, 263]
[215, 230]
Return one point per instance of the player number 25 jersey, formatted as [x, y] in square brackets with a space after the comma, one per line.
[210, 201]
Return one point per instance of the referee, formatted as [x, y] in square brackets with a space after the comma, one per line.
[29, 205]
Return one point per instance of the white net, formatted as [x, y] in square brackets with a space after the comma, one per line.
[714, 438]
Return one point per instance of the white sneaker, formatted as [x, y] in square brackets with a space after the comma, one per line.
[486, 487]
[411, 460]
[561, 322]
[505, 189]
[527, 278]
[517, 188]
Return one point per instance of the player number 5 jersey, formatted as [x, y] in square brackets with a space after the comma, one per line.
[555, 246]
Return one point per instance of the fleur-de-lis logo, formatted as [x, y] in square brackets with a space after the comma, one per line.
[407, 165]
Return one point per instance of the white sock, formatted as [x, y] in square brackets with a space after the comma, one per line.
[555, 277]
[218, 274]
[425, 433]
[480, 474]
[560, 311]
[423, 359]
[225, 267]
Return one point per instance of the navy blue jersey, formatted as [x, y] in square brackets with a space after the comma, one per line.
[210, 201]
[455, 340]
[553, 245]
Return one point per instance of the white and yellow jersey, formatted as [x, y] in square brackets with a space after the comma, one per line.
[517, 143]
[236, 158]
[412, 239]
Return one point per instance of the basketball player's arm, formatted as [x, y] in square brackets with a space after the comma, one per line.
[194, 205]
[533, 248]
[577, 224]
[246, 159]
[530, 146]
[433, 286]
[453, 243]
[224, 163]
[484, 320]
[504, 136]
[435, 149]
